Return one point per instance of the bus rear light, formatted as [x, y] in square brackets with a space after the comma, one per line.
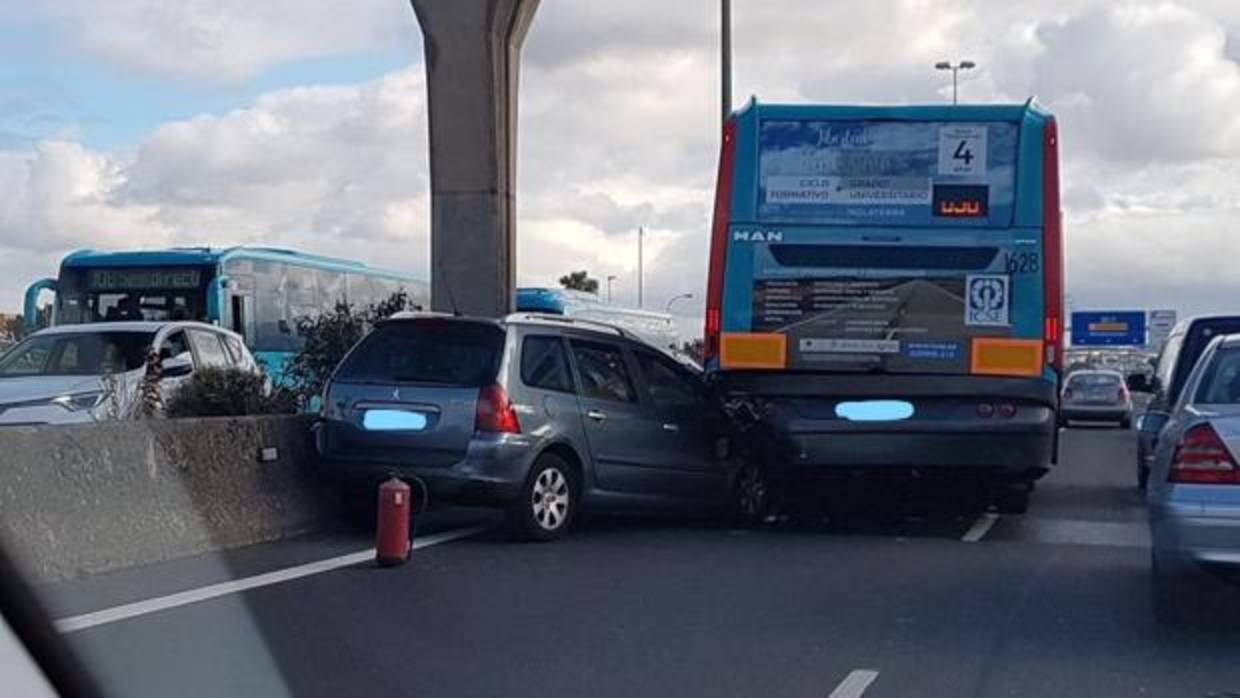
[1007, 410]
[1201, 457]
[719, 241]
[1052, 247]
[985, 410]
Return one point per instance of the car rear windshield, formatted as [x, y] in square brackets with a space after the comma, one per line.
[1093, 380]
[442, 352]
[1221, 383]
[77, 354]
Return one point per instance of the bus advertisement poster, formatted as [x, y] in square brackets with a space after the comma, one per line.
[841, 172]
[853, 323]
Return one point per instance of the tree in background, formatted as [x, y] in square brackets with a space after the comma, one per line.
[694, 349]
[579, 281]
[11, 330]
[329, 336]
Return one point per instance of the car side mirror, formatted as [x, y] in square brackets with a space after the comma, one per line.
[177, 366]
[1139, 383]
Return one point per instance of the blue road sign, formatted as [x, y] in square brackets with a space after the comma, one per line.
[1121, 328]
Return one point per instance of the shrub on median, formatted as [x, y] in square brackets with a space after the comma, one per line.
[228, 392]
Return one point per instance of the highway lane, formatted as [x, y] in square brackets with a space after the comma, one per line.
[1050, 604]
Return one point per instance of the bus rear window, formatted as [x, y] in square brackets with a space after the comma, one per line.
[433, 351]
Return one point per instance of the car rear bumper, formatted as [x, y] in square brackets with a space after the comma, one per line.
[1095, 413]
[1201, 533]
[493, 469]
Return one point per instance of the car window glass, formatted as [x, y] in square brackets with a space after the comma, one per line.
[667, 385]
[1093, 380]
[544, 364]
[210, 351]
[1221, 383]
[431, 351]
[235, 350]
[77, 354]
[1167, 359]
[174, 345]
[602, 371]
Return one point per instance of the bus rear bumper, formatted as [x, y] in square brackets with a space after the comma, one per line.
[1009, 455]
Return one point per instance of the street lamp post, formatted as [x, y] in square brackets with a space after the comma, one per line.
[673, 299]
[610, 278]
[955, 68]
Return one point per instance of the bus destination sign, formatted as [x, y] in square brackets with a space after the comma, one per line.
[143, 279]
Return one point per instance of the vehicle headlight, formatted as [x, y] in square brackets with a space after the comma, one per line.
[78, 402]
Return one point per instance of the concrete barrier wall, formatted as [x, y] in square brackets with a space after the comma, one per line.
[77, 500]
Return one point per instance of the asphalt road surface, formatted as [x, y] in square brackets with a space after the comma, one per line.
[907, 601]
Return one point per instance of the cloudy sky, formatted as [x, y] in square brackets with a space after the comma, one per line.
[142, 123]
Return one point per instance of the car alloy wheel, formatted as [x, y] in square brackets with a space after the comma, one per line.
[550, 499]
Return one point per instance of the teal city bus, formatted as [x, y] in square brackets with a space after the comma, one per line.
[258, 292]
[886, 285]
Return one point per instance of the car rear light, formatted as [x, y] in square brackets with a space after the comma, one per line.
[985, 410]
[1007, 410]
[495, 413]
[1201, 457]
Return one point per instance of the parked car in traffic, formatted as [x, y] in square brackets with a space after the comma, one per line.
[86, 373]
[1194, 488]
[1185, 344]
[1095, 395]
[543, 415]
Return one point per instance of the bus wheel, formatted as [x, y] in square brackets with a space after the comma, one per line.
[1013, 499]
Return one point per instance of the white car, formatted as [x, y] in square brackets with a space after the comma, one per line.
[92, 372]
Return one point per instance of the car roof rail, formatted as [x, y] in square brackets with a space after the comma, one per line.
[417, 314]
[583, 323]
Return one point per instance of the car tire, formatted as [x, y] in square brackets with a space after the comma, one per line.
[1175, 592]
[753, 499]
[548, 502]
[1013, 499]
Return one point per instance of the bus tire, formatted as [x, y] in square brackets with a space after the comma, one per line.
[1013, 499]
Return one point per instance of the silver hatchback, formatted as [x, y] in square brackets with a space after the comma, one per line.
[1096, 395]
[543, 415]
[1194, 487]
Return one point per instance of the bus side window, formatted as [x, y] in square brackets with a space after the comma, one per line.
[361, 292]
[273, 327]
[243, 317]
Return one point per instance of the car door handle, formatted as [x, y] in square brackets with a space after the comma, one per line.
[668, 426]
[596, 415]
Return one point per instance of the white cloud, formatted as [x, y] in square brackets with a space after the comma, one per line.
[225, 40]
[619, 128]
[1140, 82]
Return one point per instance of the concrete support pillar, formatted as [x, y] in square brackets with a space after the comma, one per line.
[473, 52]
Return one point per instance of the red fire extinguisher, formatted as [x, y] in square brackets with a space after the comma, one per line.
[392, 530]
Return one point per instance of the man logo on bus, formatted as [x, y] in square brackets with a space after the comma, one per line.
[986, 300]
[757, 236]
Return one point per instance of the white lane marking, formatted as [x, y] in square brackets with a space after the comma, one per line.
[854, 685]
[980, 528]
[183, 598]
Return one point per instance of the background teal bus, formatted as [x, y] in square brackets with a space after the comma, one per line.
[658, 329]
[888, 283]
[258, 292]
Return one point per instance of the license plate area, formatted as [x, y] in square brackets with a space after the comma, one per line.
[388, 419]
